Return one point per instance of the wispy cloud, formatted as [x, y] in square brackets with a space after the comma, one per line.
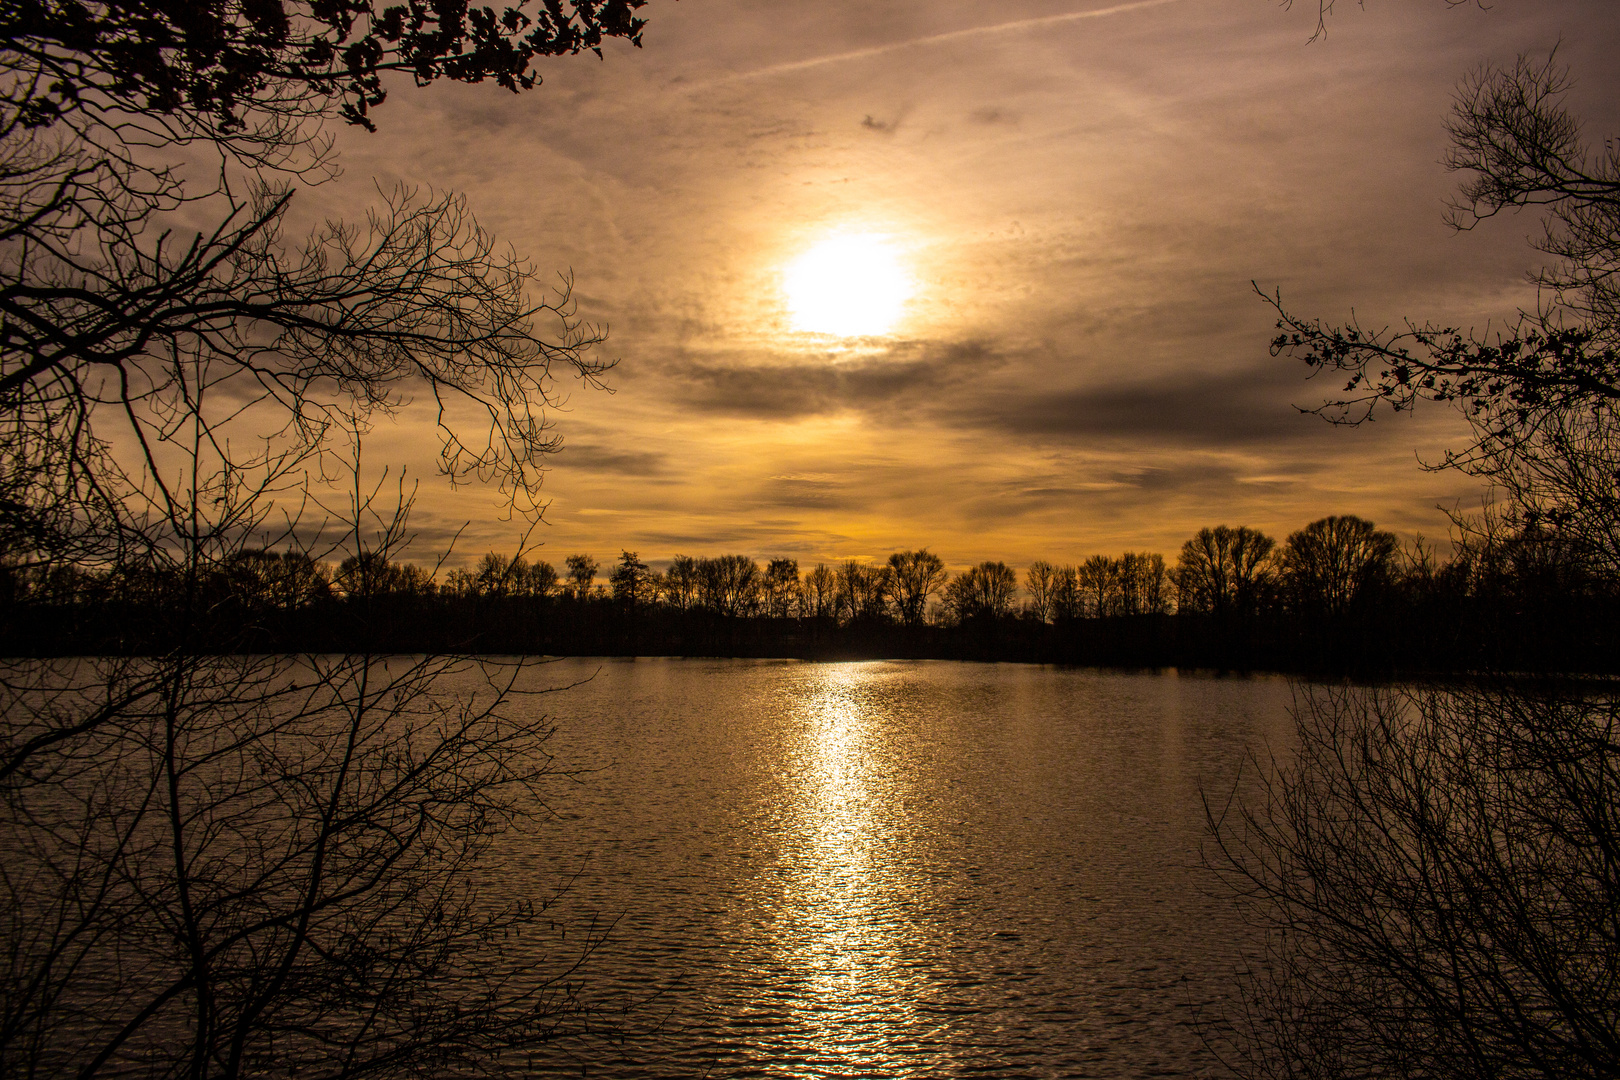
[929, 40]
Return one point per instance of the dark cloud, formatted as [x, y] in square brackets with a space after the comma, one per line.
[1195, 475]
[967, 386]
[695, 542]
[1203, 476]
[1052, 493]
[989, 114]
[1244, 408]
[788, 391]
[590, 457]
[808, 492]
[1135, 481]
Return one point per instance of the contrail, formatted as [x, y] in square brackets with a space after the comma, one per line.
[931, 39]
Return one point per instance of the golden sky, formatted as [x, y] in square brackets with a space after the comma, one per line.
[1079, 195]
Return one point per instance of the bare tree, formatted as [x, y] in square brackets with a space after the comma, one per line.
[1324, 8]
[863, 591]
[496, 575]
[821, 592]
[681, 582]
[983, 591]
[729, 584]
[1068, 595]
[1436, 864]
[581, 575]
[228, 864]
[285, 580]
[539, 580]
[781, 589]
[1330, 563]
[232, 865]
[372, 573]
[1153, 584]
[913, 577]
[270, 865]
[1435, 868]
[1542, 393]
[1143, 583]
[1224, 570]
[120, 127]
[1098, 579]
[1038, 583]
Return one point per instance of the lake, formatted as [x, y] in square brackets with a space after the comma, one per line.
[894, 868]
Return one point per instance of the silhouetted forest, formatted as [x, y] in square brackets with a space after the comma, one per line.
[1338, 595]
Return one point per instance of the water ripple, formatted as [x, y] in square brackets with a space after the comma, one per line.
[893, 869]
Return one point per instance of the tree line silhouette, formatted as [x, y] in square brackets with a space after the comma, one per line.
[1338, 594]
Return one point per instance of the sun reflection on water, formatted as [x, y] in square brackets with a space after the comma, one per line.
[903, 868]
[851, 923]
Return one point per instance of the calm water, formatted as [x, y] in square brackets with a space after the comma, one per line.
[894, 869]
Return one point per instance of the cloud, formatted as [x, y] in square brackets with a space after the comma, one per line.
[970, 34]
[808, 492]
[797, 389]
[1086, 203]
[759, 539]
[1251, 407]
[969, 386]
[592, 457]
[990, 115]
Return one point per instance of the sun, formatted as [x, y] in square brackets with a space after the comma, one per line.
[849, 285]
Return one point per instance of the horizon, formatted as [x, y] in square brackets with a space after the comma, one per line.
[605, 563]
